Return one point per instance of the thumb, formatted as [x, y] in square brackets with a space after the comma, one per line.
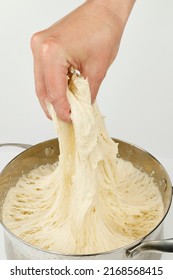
[95, 79]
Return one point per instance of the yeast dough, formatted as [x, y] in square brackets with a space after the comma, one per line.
[91, 200]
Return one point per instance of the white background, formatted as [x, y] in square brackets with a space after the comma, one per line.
[136, 96]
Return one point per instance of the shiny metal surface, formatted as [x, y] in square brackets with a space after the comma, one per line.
[20, 145]
[48, 152]
[152, 246]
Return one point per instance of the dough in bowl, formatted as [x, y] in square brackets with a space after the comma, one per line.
[90, 201]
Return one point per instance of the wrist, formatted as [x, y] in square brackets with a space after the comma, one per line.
[118, 8]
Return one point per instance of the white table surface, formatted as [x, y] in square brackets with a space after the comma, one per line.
[7, 154]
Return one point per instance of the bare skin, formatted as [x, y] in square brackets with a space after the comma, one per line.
[88, 39]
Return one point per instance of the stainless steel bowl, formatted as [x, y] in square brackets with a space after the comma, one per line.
[149, 247]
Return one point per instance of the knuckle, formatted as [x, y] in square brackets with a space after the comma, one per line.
[48, 47]
[36, 40]
[52, 97]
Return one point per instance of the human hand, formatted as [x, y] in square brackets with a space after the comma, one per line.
[88, 40]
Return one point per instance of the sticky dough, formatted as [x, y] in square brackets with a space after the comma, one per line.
[90, 201]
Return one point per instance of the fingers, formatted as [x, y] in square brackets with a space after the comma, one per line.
[50, 71]
[55, 68]
[40, 86]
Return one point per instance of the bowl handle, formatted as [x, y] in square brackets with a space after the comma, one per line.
[165, 245]
[20, 145]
